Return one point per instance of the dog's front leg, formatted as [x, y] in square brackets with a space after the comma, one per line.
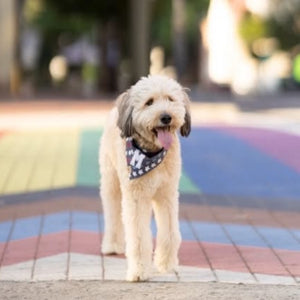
[136, 219]
[168, 235]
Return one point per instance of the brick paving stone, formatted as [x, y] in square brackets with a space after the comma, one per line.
[235, 277]
[267, 279]
[263, 260]
[114, 268]
[51, 268]
[59, 222]
[288, 219]
[85, 242]
[191, 254]
[54, 243]
[48, 205]
[17, 272]
[85, 267]
[291, 260]
[225, 258]
[187, 274]
[20, 251]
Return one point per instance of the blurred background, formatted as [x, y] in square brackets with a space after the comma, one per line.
[91, 48]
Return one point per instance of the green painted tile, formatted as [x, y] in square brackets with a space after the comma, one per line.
[88, 168]
[187, 186]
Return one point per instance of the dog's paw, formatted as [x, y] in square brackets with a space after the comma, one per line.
[137, 275]
[112, 248]
[165, 264]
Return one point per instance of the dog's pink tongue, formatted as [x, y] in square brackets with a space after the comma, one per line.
[165, 138]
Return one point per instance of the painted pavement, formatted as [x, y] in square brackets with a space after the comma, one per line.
[239, 211]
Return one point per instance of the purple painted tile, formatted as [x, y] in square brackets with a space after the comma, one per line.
[282, 146]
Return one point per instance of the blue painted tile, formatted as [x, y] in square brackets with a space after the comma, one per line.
[220, 164]
[210, 232]
[296, 232]
[186, 231]
[56, 222]
[279, 238]
[101, 222]
[5, 228]
[25, 228]
[85, 221]
[244, 235]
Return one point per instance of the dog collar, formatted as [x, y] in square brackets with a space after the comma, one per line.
[140, 161]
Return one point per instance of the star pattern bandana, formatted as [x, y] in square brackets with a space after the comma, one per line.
[140, 161]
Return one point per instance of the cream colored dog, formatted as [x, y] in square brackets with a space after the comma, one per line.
[140, 168]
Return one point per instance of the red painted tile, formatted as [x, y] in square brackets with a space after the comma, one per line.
[48, 206]
[263, 260]
[291, 260]
[85, 242]
[2, 248]
[19, 251]
[224, 257]
[52, 244]
[191, 254]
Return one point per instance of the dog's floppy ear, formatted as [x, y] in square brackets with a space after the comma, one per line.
[125, 115]
[186, 127]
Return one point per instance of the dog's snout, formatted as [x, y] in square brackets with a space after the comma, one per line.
[165, 119]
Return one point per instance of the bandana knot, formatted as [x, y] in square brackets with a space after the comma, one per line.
[140, 161]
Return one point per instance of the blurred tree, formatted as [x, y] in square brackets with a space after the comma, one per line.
[253, 27]
[161, 30]
[78, 17]
[282, 23]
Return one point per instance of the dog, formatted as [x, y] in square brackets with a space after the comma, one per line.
[140, 165]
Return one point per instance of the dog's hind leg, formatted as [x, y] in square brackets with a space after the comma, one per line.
[113, 240]
[168, 239]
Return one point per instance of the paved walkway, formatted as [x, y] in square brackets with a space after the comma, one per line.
[240, 195]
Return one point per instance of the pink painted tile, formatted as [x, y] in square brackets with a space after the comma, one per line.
[291, 260]
[263, 260]
[225, 257]
[2, 248]
[191, 254]
[278, 144]
[52, 244]
[19, 251]
[85, 242]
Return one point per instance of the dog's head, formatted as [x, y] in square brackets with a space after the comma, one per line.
[154, 109]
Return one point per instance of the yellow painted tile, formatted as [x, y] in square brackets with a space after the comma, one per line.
[6, 143]
[67, 159]
[11, 147]
[24, 160]
[41, 177]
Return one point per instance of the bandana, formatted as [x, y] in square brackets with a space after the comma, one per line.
[140, 161]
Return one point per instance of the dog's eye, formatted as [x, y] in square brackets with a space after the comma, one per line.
[149, 102]
[170, 99]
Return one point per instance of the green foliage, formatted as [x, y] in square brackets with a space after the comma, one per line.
[51, 21]
[296, 68]
[252, 28]
[161, 27]
[282, 24]
[287, 33]
[195, 11]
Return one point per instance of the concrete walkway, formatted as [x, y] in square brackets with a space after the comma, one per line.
[240, 195]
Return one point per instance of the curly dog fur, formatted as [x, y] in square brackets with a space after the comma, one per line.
[151, 112]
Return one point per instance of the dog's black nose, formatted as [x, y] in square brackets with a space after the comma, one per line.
[165, 119]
